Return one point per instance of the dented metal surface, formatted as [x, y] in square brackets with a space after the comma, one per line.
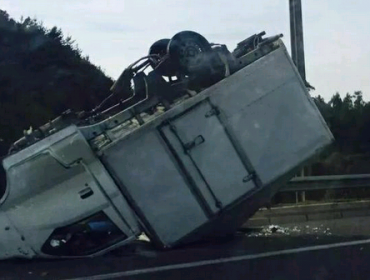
[59, 181]
[174, 165]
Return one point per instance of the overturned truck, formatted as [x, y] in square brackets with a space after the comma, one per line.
[193, 140]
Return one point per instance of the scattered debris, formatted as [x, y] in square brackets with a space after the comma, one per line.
[289, 230]
[275, 229]
[296, 229]
[143, 237]
[268, 230]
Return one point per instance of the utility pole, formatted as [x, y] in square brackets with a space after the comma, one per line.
[296, 36]
[297, 45]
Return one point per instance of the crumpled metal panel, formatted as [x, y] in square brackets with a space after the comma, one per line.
[46, 183]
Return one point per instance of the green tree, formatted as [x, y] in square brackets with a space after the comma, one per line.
[349, 121]
[42, 73]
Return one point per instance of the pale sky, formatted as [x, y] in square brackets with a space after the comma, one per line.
[114, 33]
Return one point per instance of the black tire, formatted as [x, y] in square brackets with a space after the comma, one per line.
[188, 51]
[160, 48]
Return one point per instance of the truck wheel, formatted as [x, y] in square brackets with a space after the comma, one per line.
[188, 50]
[165, 68]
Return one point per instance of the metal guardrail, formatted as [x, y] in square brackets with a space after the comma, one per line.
[309, 212]
[310, 183]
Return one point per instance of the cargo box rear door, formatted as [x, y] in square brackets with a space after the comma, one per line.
[210, 156]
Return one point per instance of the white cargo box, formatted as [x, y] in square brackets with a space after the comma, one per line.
[211, 162]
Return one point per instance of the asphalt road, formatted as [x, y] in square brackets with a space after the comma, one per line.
[337, 249]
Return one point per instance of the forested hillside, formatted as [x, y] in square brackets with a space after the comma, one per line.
[349, 121]
[42, 73]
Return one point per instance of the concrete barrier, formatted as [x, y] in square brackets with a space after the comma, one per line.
[309, 212]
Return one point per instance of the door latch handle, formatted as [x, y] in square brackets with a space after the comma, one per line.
[85, 193]
[249, 177]
[192, 144]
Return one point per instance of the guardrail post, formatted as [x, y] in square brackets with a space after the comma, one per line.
[303, 196]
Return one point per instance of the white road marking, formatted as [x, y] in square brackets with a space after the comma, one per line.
[221, 260]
